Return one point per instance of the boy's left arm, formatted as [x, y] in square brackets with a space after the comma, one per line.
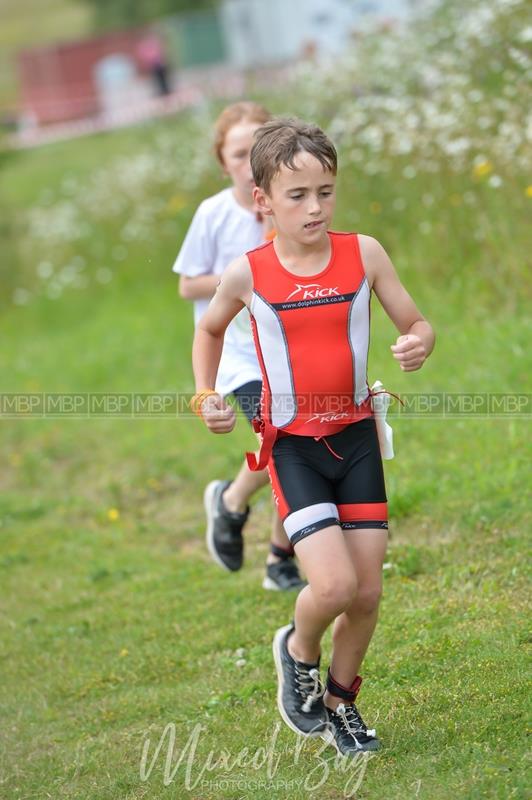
[416, 341]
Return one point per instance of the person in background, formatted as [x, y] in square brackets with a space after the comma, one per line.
[224, 226]
[152, 57]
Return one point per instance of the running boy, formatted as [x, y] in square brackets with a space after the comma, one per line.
[225, 226]
[308, 294]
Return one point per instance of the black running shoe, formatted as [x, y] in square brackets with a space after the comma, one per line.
[347, 731]
[300, 692]
[224, 528]
[283, 576]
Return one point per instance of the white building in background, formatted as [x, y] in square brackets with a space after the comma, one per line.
[261, 32]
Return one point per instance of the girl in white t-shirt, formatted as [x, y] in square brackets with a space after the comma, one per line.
[226, 226]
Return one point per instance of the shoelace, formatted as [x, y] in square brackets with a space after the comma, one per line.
[309, 686]
[353, 722]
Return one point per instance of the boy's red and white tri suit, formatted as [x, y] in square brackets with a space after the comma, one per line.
[312, 339]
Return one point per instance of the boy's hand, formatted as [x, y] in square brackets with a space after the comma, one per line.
[218, 416]
[409, 351]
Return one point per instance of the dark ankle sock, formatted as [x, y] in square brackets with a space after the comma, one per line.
[282, 552]
[347, 693]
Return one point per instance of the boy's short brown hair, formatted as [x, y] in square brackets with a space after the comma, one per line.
[279, 141]
[245, 111]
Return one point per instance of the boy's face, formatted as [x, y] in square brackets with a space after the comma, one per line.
[235, 154]
[301, 200]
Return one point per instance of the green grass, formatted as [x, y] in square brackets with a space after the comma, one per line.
[114, 625]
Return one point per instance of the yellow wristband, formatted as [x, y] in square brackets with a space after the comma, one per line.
[197, 400]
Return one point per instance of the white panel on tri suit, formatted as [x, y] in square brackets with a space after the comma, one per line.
[359, 339]
[274, 352]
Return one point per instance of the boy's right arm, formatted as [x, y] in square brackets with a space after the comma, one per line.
[232, 294]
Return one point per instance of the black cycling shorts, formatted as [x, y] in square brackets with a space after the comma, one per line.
[248, 398]
[336, 480]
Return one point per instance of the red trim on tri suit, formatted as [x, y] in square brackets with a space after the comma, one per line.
[283, 509]
[260, 423]
[353, 512]
[266, 391]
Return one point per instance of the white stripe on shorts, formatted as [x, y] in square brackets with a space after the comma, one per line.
[299, 521]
